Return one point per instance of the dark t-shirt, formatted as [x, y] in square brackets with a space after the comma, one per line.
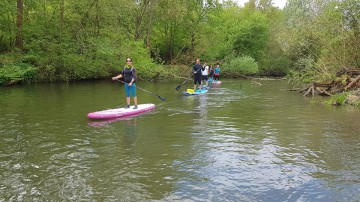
[129, 74]
[197, 67]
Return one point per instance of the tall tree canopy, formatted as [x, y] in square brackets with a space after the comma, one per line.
[82, 39]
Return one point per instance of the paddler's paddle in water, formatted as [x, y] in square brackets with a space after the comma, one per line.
[179, 86]
[161, 98]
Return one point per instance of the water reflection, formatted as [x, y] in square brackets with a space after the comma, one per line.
[238, 142]
[241, 152]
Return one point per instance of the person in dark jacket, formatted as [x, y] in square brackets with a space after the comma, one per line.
[129, 77]
[197, 74]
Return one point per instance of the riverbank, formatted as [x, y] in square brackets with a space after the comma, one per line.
[343, 90]
[12, 73]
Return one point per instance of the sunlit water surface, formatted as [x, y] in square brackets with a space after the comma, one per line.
[238, 142]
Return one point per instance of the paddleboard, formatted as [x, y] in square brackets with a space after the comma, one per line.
[204, 87]
[103, 122]
[120, 112]
[216, 83]
[197, 92]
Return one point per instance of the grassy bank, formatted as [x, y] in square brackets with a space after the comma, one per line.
[17, 69]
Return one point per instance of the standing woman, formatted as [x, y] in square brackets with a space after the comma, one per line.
[217, 72]
[205, 74]
[129, 75]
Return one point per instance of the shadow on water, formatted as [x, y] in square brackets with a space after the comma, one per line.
[238, 142]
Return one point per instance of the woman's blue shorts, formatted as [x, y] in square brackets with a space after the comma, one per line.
[131, 89]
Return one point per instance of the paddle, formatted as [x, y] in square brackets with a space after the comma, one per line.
[179, 86]
[161, 98]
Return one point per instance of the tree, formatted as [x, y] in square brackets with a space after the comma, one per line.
[19, 25]
[252, 36]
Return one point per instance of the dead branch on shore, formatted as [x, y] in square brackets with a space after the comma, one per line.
[353, 83]
[348, 80]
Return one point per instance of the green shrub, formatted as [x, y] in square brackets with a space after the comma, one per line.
[245, 65]
[15, 73]
[275, 66]
[338, 99]
[31, 59]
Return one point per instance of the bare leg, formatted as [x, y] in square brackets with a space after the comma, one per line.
[128, 101]
[135, 101]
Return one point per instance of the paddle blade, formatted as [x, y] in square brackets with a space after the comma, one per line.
[161, 98]
[178, 87]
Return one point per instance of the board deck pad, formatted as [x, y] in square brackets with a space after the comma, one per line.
[197, 92]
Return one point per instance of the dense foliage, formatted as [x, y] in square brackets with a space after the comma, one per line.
[73, 40]
[245, 65]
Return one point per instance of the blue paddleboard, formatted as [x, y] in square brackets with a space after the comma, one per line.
[197, 92]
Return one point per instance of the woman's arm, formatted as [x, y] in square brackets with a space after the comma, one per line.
[118, 76]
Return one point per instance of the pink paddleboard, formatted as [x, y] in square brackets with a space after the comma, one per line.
[216, 83]
[120, 112]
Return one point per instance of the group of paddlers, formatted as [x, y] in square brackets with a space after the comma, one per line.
[203, 74]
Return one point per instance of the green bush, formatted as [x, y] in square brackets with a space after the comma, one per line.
[146, 68]
[245, 65]
[31, 59]
[15, 73]
[338, 99]
[275, 66]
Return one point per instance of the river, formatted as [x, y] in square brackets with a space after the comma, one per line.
[238, 142]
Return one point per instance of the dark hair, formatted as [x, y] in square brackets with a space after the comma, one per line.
[128, 59]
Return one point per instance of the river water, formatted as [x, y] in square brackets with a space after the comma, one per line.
[238, 142]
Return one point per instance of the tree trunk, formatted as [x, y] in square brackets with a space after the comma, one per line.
[62, 10]
[97, 19]
[149, 23]
[19, 25]
[140, 18]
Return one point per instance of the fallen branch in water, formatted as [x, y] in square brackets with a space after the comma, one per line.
[255, 82]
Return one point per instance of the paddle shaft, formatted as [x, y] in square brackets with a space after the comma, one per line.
[179, 86]
[161, 98]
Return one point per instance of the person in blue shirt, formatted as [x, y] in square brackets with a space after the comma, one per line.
[217, 72]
